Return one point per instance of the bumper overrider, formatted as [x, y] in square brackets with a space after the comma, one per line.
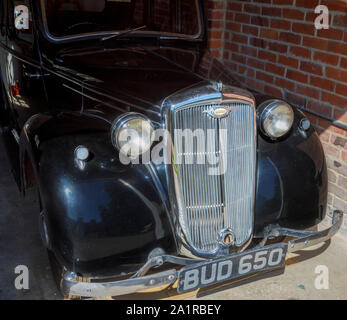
[197, 273]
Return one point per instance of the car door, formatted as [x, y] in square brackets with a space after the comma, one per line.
[21, 75]
[24, 76]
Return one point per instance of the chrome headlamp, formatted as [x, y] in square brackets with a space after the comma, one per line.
[132, 134]
[276, 118]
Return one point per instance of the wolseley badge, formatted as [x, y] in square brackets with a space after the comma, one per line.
[219, 112]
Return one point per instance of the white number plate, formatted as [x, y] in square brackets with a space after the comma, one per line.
[234, 266]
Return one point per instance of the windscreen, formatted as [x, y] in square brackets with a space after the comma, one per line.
[168, 17]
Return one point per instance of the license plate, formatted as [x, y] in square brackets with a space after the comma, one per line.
[234, 266]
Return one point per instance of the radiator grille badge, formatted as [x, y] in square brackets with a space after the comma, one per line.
[219, 112]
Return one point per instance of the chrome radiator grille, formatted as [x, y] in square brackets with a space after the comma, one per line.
[208, 202]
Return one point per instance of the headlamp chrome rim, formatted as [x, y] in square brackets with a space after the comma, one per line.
[265, 110]
[119, 122]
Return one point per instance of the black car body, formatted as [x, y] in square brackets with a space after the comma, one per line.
[100, 217]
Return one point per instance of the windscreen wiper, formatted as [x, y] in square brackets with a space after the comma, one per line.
[123, 33]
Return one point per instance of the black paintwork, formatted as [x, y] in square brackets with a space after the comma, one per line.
[108, 218]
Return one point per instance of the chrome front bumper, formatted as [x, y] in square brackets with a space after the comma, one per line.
[140, 281]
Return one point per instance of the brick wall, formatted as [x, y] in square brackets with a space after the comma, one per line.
[273, 47]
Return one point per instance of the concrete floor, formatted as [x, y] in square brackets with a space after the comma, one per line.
[20, 244]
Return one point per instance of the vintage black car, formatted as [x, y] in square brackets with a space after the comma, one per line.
[78, 75]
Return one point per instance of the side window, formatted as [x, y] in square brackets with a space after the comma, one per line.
[20, 20]
[3, 20]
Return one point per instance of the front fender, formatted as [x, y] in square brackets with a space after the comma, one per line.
[291, 180]
[107, 218]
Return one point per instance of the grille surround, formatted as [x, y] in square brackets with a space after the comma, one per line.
[196, 98]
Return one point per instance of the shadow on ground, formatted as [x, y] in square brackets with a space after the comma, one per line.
[20, 242]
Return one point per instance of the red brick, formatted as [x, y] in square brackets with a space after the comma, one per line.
[240, 38]
[340, 204]
[320, 108]
[214, 34]
[250, 30]
[307, 91]
[264, 77]
[269, 34]
[330, 33]
[255, 84]
[262, 1]
[328, 126]
[232, 5]
[255, 63]
[275, 69]
[340, 20]
[324, 136]
[216, 15]
[311, 16]
[330, 150]
[344, 156]
[304, 28]
[283, 2]
[341, 89]
[334, 99]
[285, 84]
[301, 52]
[271, 11]
[290, 37]
[287, 61]
[277, 47]
[336, 74]
[337, 47]
[266, 55]
[280, 24]
[339, 141]
[296, 76]
[327, 58]
[309, 4]
[260, 21]
[338, 192]
[251, 8]
[342, 182]
[249, 51]
[315, 43]
[340, 116]
[343, 63]
[236, 27]
[258, 42]
[273, 91]
[239, 58]
[293, 14]
[231, 46]
[216, 5]
[216, 53]
[216, 25]
[243, 18]
[335, 5]
[216, 44]
[311, 68]
[322, 83]
[294, 99]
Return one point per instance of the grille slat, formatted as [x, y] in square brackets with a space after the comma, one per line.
[211, 203]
